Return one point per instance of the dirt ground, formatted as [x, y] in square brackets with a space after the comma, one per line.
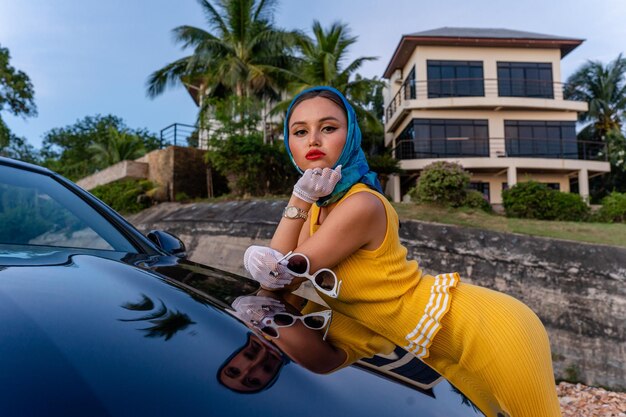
[579, 400]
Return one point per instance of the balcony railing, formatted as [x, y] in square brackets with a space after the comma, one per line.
[179, 134]
[500, 147]
[473, 87]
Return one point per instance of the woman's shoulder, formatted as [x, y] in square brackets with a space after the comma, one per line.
[364, 204]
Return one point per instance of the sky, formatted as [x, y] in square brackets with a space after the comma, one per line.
[88, 57]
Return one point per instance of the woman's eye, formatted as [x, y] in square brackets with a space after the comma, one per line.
[329, 129]
[299, 133]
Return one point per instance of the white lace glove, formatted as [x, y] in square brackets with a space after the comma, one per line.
[262, 264]
[254, 309]
[316, 183]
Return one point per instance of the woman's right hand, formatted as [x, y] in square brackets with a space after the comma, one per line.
[262, 264]
[316, 183]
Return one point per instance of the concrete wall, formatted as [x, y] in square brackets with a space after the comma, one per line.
[578, 290]
[177, 169]
[120, 171]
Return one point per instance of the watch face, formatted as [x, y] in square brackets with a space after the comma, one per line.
[292, 212]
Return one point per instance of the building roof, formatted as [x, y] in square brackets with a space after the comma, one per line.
[489, 37]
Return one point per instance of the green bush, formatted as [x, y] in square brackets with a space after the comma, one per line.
[443, 183]
[251, 166]
[613, 208]
[569, 207]
[126, 196]
[534, 200]
[475, 199]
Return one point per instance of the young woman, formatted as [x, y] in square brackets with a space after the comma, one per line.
[485, 343]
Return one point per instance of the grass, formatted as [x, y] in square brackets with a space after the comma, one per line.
[602, 233]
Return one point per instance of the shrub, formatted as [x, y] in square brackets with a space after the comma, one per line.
[530, 200]
[442, 183]
[126, 196]
[534, 200]
[475, 199]
[569, 207]
[613, 208]
[252, 167]
[181, 197]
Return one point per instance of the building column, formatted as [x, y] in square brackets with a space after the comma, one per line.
[583, 184]
[393, 186]
[511, 176]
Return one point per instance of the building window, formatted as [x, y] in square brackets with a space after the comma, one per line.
[409, 86]
[540, 139]
[482, 187]
[455, 79]
[442, 138]
[525, 79]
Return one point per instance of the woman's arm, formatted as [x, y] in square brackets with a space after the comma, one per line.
[285, 237]
[359, 222]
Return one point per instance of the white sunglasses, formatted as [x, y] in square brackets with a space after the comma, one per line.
[324, 279]
[314, 321]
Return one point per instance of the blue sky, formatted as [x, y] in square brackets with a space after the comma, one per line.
[88, 57]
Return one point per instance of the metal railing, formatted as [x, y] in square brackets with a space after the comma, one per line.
[179, 134]
[473, 87]
[500, 147]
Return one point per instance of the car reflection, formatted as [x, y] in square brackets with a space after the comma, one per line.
[165, 323]
[253, 368]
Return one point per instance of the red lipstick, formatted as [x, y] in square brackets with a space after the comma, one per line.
[314, 154]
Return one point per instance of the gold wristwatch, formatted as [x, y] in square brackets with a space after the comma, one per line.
[292, 212]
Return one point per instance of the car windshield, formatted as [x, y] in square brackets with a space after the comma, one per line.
[37, 211]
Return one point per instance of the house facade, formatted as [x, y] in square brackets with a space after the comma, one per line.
[491, 100]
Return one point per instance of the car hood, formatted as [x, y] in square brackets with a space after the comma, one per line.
[98, 337]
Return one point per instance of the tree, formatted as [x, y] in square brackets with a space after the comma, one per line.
[604, 88]
[17, 97]
[322, 63]
[323, 57]
[241, 54]
[119, 146]
[80, 149]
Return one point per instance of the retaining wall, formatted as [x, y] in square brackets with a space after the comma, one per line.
[578, 290]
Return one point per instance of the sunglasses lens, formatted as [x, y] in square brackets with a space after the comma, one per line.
[270, 331]
[314, 322]
[283, 319]
[325, 280]
[298, 264]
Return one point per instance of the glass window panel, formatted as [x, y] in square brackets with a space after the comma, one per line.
[422, 132]
[467, 132]
[447, 72]
[539, 132]
[438, 132]
[525, 132]
[453, 131]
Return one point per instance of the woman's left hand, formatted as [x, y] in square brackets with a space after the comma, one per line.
[262, 264]
[316, 183]
[254, 309]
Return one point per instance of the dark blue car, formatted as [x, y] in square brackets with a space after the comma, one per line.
[97, 319]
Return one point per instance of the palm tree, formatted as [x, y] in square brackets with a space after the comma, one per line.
[604, 88]
[242, 53]
[322, 63]
[119, 146]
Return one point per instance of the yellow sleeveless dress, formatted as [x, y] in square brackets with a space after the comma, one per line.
[488, 344]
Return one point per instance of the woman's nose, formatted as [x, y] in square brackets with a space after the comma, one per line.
[314, 138]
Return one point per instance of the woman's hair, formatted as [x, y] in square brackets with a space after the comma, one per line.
[318, 93]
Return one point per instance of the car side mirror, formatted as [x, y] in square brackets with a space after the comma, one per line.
[168, 242]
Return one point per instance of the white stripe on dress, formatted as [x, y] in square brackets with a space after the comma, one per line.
[421, 337]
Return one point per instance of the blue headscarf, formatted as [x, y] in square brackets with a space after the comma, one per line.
[354, 168]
